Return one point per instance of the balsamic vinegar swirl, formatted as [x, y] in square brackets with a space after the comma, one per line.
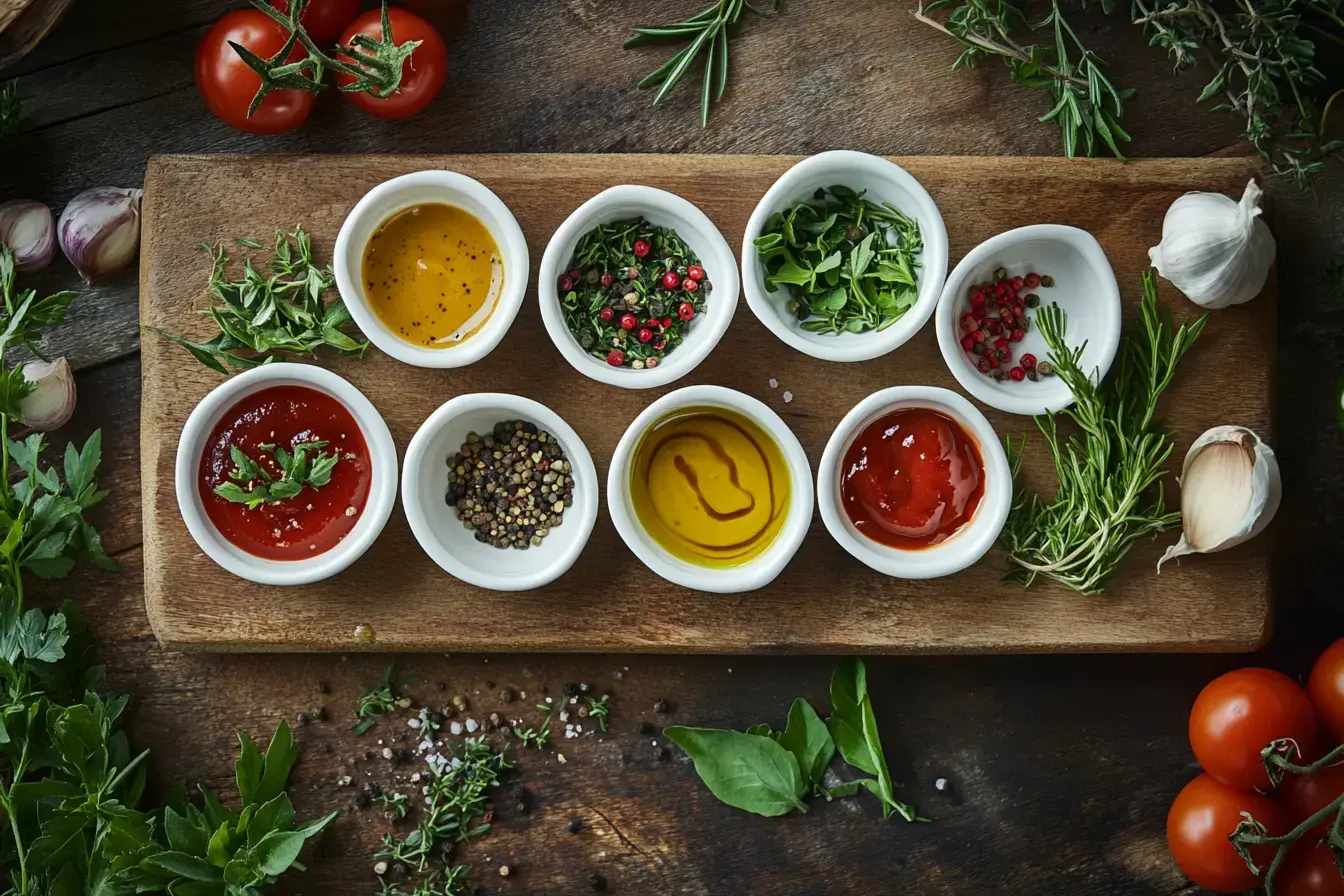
[710, 486]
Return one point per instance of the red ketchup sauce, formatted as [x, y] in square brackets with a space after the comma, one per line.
[912, 479]
[314, 520]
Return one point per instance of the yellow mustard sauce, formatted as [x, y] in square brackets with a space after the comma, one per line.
[710, 487]
[433, 274]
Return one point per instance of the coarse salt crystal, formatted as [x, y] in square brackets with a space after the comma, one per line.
[472, 726]
[940, 784]
[412, 723]
[564, 717]
[774, 383]
[787, 396]
[455, 727]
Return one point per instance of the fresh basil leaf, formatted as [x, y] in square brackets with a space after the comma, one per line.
[281, 755]
[277, 851]
[808, 740]
[768, 241]
[848, 788]
[834, 300]
[745, 771]
[849, 686]
[184, 836]
[789, 272]
[275, 815]
[184, 865]
[248, 769]
[760, 730]
[62, 836]
[829, 263]
[219, 852]
[884, 789]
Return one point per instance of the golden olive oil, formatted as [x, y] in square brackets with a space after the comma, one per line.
[710, 486]
[433, 274]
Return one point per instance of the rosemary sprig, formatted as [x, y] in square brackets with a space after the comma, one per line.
[1105, 500]
[1263, 54]
[266, 315]
[599, 708]
[708, 33]
[1087, 105]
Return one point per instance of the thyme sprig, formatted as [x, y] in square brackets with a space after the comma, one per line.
[1087, 105]
[1109, 493]
[708, 33]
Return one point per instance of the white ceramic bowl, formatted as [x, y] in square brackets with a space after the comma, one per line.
[434, 521]
[884, 181]
[663, 209]
[382, 487]
[966, 546]
[449, 188]
[756, 573]
[1084, 287]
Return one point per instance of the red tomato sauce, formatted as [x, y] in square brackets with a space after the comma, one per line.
[314, 520]
[912, 479]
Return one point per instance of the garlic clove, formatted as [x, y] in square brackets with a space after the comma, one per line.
[1230, 490]
[51, 404]
[1216, 250]
[27, 229]
[100, 230]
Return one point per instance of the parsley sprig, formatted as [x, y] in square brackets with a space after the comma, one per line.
[264, 316]
[850, 264]
[252, 483]
[1109, 493]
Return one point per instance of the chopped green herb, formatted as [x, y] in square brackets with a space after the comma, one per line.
[598, 709]
[254, 485]
[377, 702]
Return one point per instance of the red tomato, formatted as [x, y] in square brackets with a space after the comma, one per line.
[1238, 714]
[1309, 870]
[1326, 688]
[1198, 825]
[227, 85]
[324, 19]
[421, 75]
[1304, 795]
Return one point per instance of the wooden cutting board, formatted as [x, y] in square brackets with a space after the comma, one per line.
[825, 601]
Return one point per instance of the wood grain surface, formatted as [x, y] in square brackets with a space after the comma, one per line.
[25, 22]
[824, 601]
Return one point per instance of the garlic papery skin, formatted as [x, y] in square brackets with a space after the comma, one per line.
[1230, 490]
[1215, 250]
[27, 229]
[52, 402]
[100, 230]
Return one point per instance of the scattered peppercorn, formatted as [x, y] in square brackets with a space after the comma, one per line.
[303, 719]
[597, 883]
[575, 825]
[510, 487]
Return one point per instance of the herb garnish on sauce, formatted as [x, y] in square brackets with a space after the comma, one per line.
[297, 469]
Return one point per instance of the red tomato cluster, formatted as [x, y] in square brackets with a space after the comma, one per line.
[1234, 718]
[228, 85]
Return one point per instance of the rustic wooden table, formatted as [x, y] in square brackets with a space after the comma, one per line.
[1061, 768]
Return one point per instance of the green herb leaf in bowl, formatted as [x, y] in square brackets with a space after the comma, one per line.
[848, 264]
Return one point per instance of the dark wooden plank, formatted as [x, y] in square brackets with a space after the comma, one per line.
[194, 604]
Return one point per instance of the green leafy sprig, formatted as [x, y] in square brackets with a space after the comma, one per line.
[22, 318]
[252, 483]
[376, 703]
[1087, 106]
[264, 316]
[772, 772]
[850, 265]
[1110, 474]
[707, 34]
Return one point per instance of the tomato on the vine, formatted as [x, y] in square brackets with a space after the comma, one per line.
[1309, 870]
[1302, 796]
[1203, 815]
[1326, 688]
[324, 19]
[1237, 715]
[227, 85]
[422, 74]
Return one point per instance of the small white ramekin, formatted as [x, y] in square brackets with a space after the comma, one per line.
[962, 549]
[663, 209]
[883, 181]
[757, 572]
[377, 508]
[434, 520]
[448, 188]
[1084, 287]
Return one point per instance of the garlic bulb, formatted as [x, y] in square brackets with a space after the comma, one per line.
[1216, 251]
[52, 402]
[1230, 490]
[100, 230]
[26, 227]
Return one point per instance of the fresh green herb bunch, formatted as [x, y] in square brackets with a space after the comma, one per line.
[1264, 56]
[1110, 493]
[22, 318]
[850, 264]
[263, 317]
[1087, 106]
[252, 483]
[632, 272]
[707, 34]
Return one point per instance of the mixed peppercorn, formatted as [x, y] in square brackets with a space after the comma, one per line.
[632, 291]
[998, 317]
[510, 486]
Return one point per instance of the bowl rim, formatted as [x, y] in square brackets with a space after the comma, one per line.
[722, 271]
[576, 453]
[421, 187]
[377, 507]
[964, 548]
[1105, 340]
[933, 271]
[756, 573]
